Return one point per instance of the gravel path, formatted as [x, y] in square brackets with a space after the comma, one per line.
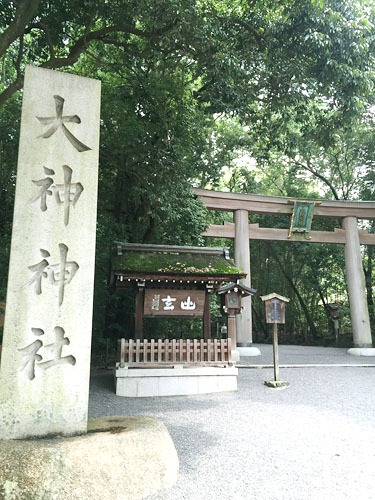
[313, 440]
[294, 354]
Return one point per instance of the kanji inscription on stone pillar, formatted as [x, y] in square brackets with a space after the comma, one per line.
[45, 364]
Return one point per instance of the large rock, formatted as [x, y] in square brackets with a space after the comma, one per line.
[120, 458]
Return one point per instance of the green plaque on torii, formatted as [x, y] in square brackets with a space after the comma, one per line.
[302, 218]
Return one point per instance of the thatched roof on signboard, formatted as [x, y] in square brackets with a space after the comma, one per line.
[168, 262]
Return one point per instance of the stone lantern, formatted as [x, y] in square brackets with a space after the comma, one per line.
[335, 315]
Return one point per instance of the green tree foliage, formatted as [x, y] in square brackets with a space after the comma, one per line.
[259, 96]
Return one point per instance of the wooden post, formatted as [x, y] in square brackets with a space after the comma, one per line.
[232, 334]
[275, 352]
[138, 330]
[207, 318]
[106, 352]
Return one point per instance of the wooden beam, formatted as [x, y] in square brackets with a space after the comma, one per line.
[121, 247]
[139, 300]
[278, 205]
[366, 238]
[207, 318]
[337, 236]
[127, 279]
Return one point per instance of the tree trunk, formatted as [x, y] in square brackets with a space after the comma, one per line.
[261, 324]
[331, 325]
[119, 189]
[310, 322]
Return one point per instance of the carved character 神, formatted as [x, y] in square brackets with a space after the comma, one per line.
[67, 194]
[60, 274]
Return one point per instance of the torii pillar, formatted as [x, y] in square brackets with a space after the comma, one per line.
[349, 211]
[356, 289]
[242, 261]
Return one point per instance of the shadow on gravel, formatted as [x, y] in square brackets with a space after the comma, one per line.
[190, 442]
[102, 380]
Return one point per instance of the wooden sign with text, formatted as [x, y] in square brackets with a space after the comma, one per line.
[174, 303]
[275, 311]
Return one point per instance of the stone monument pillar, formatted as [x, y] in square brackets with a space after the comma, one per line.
[45, 364]
[356, 289]
[242, 261]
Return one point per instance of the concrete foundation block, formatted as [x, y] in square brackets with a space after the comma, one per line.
[148, 382]
[248, 351]
[208, 385]
[168, 386]
[189, 385]
[361, 351]
[147, 387]
[235, 355]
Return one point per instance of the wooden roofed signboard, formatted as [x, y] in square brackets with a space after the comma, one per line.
[275, 307]
[172, 281]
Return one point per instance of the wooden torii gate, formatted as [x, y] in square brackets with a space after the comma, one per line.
[349, 235]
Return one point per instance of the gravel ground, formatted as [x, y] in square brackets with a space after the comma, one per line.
[293, 354]
[313, 440]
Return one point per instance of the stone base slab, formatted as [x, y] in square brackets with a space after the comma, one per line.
[120, 458]
[361, 351]
[248, 351]
[235, 355]
[276, 384]
[178, 381]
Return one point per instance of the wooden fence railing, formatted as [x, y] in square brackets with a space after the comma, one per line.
[170, 352]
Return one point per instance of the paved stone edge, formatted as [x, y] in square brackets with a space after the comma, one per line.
[319, 365]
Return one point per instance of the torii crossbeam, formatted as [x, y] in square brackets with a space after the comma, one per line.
[349, 235]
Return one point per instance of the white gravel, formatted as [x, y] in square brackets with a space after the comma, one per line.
[313, 440]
